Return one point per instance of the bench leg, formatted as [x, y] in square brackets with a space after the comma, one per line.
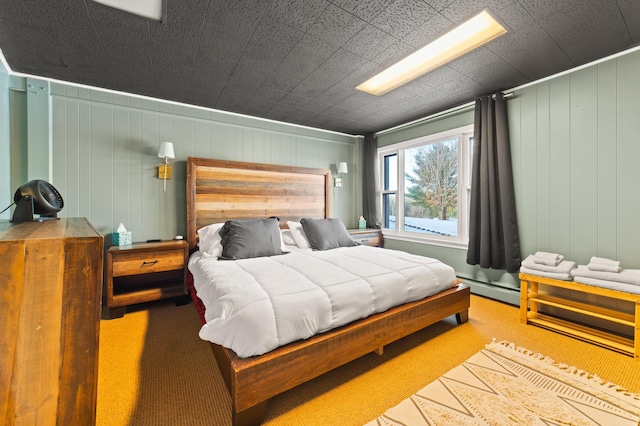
[636, 333]
[524, 300]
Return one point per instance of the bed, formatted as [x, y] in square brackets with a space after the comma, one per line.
[219, 190]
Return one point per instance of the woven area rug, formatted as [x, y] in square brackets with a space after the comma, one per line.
[505, 385]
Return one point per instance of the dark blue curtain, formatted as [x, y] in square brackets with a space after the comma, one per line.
[493, 226]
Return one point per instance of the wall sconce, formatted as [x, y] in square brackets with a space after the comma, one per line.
[342, 170]
[164, 170]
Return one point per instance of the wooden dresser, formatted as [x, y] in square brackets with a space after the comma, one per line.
[50, 292]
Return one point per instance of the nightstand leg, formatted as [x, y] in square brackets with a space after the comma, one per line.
[182, 300]
[112, 313]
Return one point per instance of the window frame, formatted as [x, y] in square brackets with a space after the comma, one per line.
[464, 134]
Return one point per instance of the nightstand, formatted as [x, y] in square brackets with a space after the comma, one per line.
[143, 272]
[368, 237]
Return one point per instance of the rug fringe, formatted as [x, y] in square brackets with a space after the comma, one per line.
[594, 378]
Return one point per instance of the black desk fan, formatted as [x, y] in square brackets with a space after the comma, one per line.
[36, 197]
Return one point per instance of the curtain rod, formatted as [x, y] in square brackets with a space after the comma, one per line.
[452, 111]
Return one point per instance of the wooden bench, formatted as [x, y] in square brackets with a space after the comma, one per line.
[531, 298]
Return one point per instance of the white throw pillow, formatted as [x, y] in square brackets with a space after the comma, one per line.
[298, 234]
[287, 237]
[210, 242]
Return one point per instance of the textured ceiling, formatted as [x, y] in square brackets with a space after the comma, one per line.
[299, 61]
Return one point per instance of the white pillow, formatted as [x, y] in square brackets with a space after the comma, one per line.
[283, 245]
[210, 242]
[287, 237]
[294, 248]
[298, 234]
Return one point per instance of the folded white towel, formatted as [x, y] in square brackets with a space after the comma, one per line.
[564, 267]
[549, 259]
[554, 275]
[547, 255]
[604, 260]
[613, 285]
[629, 276]
[603, 267]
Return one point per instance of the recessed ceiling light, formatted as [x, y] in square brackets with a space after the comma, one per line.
[471, 34]
[151, 9]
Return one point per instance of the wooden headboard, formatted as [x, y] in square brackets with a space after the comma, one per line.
[219, 190]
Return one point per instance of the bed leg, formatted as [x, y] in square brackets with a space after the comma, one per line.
[462, 316]
[252, 416]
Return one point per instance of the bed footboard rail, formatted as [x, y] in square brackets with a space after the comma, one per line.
[252, 381]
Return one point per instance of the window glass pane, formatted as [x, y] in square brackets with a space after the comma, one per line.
[389, 210]
[391, 172]
[431, 188]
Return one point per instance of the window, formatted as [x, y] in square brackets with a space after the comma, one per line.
[426, 184]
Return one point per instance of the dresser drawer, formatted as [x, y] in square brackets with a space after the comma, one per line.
[145, 263]
[367, 237]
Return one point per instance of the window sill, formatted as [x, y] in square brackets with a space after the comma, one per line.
[460, 245]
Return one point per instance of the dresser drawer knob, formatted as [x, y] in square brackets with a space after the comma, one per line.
[145, 263]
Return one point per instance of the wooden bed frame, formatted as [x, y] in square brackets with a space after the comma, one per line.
[219, 190]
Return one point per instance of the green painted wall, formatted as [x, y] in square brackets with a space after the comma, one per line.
[104, 151]
[575, 140]
[19, 132]
[6, 195]
[429, 127]
[575, 150]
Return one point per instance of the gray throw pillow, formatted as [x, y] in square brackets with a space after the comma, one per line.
[325, 234]
[243, 239]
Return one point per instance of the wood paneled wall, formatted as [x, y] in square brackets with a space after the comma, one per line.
[575, 143]
[6, 194]
[105, 150]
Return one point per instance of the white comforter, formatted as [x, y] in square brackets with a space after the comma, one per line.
[255, 305]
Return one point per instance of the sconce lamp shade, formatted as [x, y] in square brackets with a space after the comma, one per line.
[342, 168]
[166, 150]
[164, 171]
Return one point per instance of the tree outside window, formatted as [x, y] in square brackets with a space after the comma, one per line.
[433, 181]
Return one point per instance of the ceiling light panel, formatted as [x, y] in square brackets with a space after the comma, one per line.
[151, 9]
[469, 35]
